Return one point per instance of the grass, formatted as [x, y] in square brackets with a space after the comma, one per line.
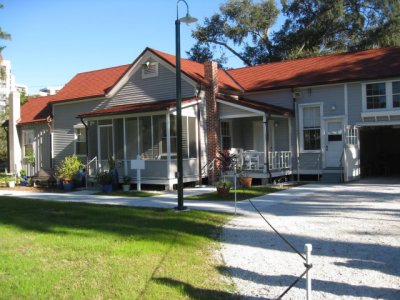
[129, 194]
[53, 250]
[241, 194]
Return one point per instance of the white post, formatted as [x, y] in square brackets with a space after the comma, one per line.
[234, 184]
[138, 177]
[308, 249]
[13, 140]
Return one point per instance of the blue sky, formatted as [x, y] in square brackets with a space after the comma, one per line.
[55, 39]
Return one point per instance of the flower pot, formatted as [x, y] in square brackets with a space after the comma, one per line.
[68, 186]
[246, 182]
[11, 184]
[223, 191]
[106, 188]
[24, 183]
[126, 187]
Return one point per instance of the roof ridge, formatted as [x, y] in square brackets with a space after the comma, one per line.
[313, 57]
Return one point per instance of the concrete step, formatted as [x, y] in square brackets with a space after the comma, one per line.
[331, 177]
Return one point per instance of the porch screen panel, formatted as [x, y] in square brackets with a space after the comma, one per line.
[131, 138]
[119, 139]
[185, 149]
[159, 126]
[92, 139]
[106, 140]
[312, 128]
[145, 138]
[173, 137]
[192, 137]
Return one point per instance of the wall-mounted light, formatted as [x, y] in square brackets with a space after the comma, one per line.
[333, 107]
[147, 65]
[276, 124]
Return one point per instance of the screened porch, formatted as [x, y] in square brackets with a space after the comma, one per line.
[149, 137]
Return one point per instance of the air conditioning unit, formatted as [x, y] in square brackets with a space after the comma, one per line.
[296, 95]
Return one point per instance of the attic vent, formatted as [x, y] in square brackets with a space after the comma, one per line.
[150, 69]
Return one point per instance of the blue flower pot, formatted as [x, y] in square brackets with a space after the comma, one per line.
[68, 186]
[107, 188]
[24, 183]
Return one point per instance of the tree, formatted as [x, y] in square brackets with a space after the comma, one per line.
[3, 115]
[3, 36]
[315, 27]
[240, 23]
[311, 27]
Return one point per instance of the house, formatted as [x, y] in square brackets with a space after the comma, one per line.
[335, 116]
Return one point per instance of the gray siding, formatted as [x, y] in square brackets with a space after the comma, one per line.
[42, 144]
[281, 98]
[354, 93]
[281, 135]
[329, 95]
[162, 87]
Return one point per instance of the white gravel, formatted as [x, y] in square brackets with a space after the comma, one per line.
[354, 230]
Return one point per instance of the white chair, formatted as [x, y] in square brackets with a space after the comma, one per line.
[251, 160]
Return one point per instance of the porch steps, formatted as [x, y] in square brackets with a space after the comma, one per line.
[332, 175]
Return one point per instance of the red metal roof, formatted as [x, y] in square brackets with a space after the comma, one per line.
[136, 107]
[195, 70]
[35, 110]
[256, 105]
[363, 65]
[91, 84]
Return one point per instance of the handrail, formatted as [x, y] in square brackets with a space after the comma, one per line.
[209, 166]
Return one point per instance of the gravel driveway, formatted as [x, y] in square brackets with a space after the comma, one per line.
[354, 230]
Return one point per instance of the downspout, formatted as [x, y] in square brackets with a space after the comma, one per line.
[87, 151]
[296, 113]
[5, 127]
[49, 119]
[265, 121]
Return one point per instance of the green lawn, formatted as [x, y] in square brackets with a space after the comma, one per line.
[54, 250]
[241, 194]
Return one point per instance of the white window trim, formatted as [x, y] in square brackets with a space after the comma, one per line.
[301, 131]
[151, 64]
[80, 126]
[389, 96]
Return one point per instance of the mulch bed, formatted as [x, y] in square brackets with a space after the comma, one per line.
[33, 189]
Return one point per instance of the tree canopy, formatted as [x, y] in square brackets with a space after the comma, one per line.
[311, 27]
[3, 36]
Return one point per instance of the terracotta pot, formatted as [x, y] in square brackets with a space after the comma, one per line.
[246, 182]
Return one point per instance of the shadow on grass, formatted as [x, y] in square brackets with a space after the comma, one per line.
[194, 292]
[144, 223]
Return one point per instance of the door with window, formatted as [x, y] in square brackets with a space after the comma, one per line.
[334, 143]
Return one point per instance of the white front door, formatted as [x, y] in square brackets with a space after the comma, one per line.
[334, 143]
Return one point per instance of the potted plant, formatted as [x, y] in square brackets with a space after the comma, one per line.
[223, 187]
[67, 170]
[11, 181]
[126, 183]
[24, 177]
[105, 179]
[244, 178]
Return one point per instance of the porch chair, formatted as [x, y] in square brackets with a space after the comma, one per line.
[251, 160]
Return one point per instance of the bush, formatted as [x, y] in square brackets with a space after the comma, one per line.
[104, 178]
[126, 180]
[69, 167]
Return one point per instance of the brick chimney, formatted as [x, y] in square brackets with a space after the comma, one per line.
[212, 116]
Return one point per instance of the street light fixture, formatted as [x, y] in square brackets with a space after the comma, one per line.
[187, 19]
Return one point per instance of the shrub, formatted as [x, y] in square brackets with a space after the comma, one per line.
[69, 167]
[126, 180]
[104, 178]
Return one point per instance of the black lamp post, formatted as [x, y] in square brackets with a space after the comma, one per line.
[187, 19]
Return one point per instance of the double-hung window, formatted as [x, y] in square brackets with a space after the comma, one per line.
[311, 128]
[27, 139]
[396, 93]
[226, 135]
[80, 141]
[376, 95]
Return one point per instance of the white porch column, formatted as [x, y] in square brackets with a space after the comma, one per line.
[15, 145]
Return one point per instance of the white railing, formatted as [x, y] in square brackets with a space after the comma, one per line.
[91, 168]
[279, 160]
[351, 135]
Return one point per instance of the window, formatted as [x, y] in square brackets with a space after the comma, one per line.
[150, 69]
[311, 128]
[80, 141]
[396, 93]
[226, 136]
[376, 95]
[27, 139]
